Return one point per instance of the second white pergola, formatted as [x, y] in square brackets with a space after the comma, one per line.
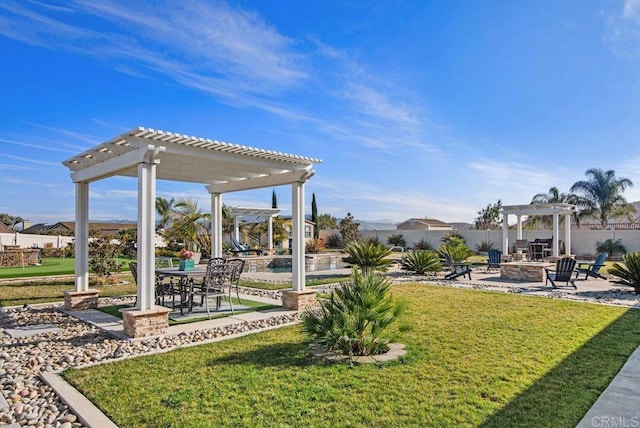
[222, 167]
[555, 210]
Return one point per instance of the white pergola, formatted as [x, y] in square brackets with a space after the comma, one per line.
[222, 167]
[268, 213]
[556, 210]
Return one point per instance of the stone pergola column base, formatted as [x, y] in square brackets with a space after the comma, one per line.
[81, 300]
[298, 300]
[149, 322]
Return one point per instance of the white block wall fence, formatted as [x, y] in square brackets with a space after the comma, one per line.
[583, 242]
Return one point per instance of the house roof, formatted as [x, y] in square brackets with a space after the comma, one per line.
[224, 167]
[4, 228]
[105, 228]
[426, 222]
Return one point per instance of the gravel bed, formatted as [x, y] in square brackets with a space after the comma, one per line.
[76, 344]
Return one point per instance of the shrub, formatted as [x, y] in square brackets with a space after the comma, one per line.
[397, 239]
[102, 257]
[421, 262]
[453, 239]
[611, 247]
[334, 240]
[355, 319]
[454, 253]
[628, 272]
[367, 256]
[484, 246]
[314, 246]
[423, 244]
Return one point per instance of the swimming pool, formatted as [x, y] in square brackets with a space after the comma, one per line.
[310, 266]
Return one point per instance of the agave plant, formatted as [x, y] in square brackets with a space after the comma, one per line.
[628, 273]
[421, 262]
[355, 320]
[367, 256]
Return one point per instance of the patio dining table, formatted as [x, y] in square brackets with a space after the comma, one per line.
[185, 283]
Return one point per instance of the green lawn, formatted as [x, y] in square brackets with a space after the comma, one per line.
[49, 267]
[52, 291]
[114, 310]
[475, 358]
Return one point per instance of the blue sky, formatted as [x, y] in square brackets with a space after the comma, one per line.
[417, 109]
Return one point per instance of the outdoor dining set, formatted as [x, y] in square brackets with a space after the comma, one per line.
[181, 289]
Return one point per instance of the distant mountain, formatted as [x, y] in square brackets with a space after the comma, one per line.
[382, 224]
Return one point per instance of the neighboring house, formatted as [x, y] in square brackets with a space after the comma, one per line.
[423, 224]
[69, 228]
[5, 229]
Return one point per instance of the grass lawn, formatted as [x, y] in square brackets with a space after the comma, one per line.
[49, 267]
[475, 358]
[114, 310]
[52, 291]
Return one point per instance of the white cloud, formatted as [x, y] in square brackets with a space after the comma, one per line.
[623, 30]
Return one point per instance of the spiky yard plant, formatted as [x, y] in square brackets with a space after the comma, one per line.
[367, 256]
[397, 240]
[454, 253]
[423, 244]
[355, 320]
[421, 262]
[628, 272]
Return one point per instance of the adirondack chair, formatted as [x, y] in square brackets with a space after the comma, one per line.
[592, 269]
[495, 257]
[242, 249]
[457, 269]
[562, 273]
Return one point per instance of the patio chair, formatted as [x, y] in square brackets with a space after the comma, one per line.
[522, 247]
[244, 249]
[238, 265]
[592, 269]
[458, 269]
[562, 273]
[495, 258]
[216, 283]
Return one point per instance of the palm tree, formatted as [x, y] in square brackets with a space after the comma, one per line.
[601, 196]
[553, 197]
[164, 208]
[188, 223]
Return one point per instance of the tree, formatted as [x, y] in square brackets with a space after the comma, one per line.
[601, 196]
[10, 220]
[188, 223]
[274, 200]
[489, 217]
[349, 229]
[553, 197]
[164, 208]
[314, 217]
[327, 222]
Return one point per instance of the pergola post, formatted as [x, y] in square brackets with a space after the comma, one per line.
[556, 230]
[82, 297]
[505, 233]
[519, 227]
[270, 233]
[146, 232]
[82, 236]
[216, 225]
[297, 229]
[567, 234]
[298, 297]
[236, 228]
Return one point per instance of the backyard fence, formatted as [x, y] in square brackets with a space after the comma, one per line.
[583, 242]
